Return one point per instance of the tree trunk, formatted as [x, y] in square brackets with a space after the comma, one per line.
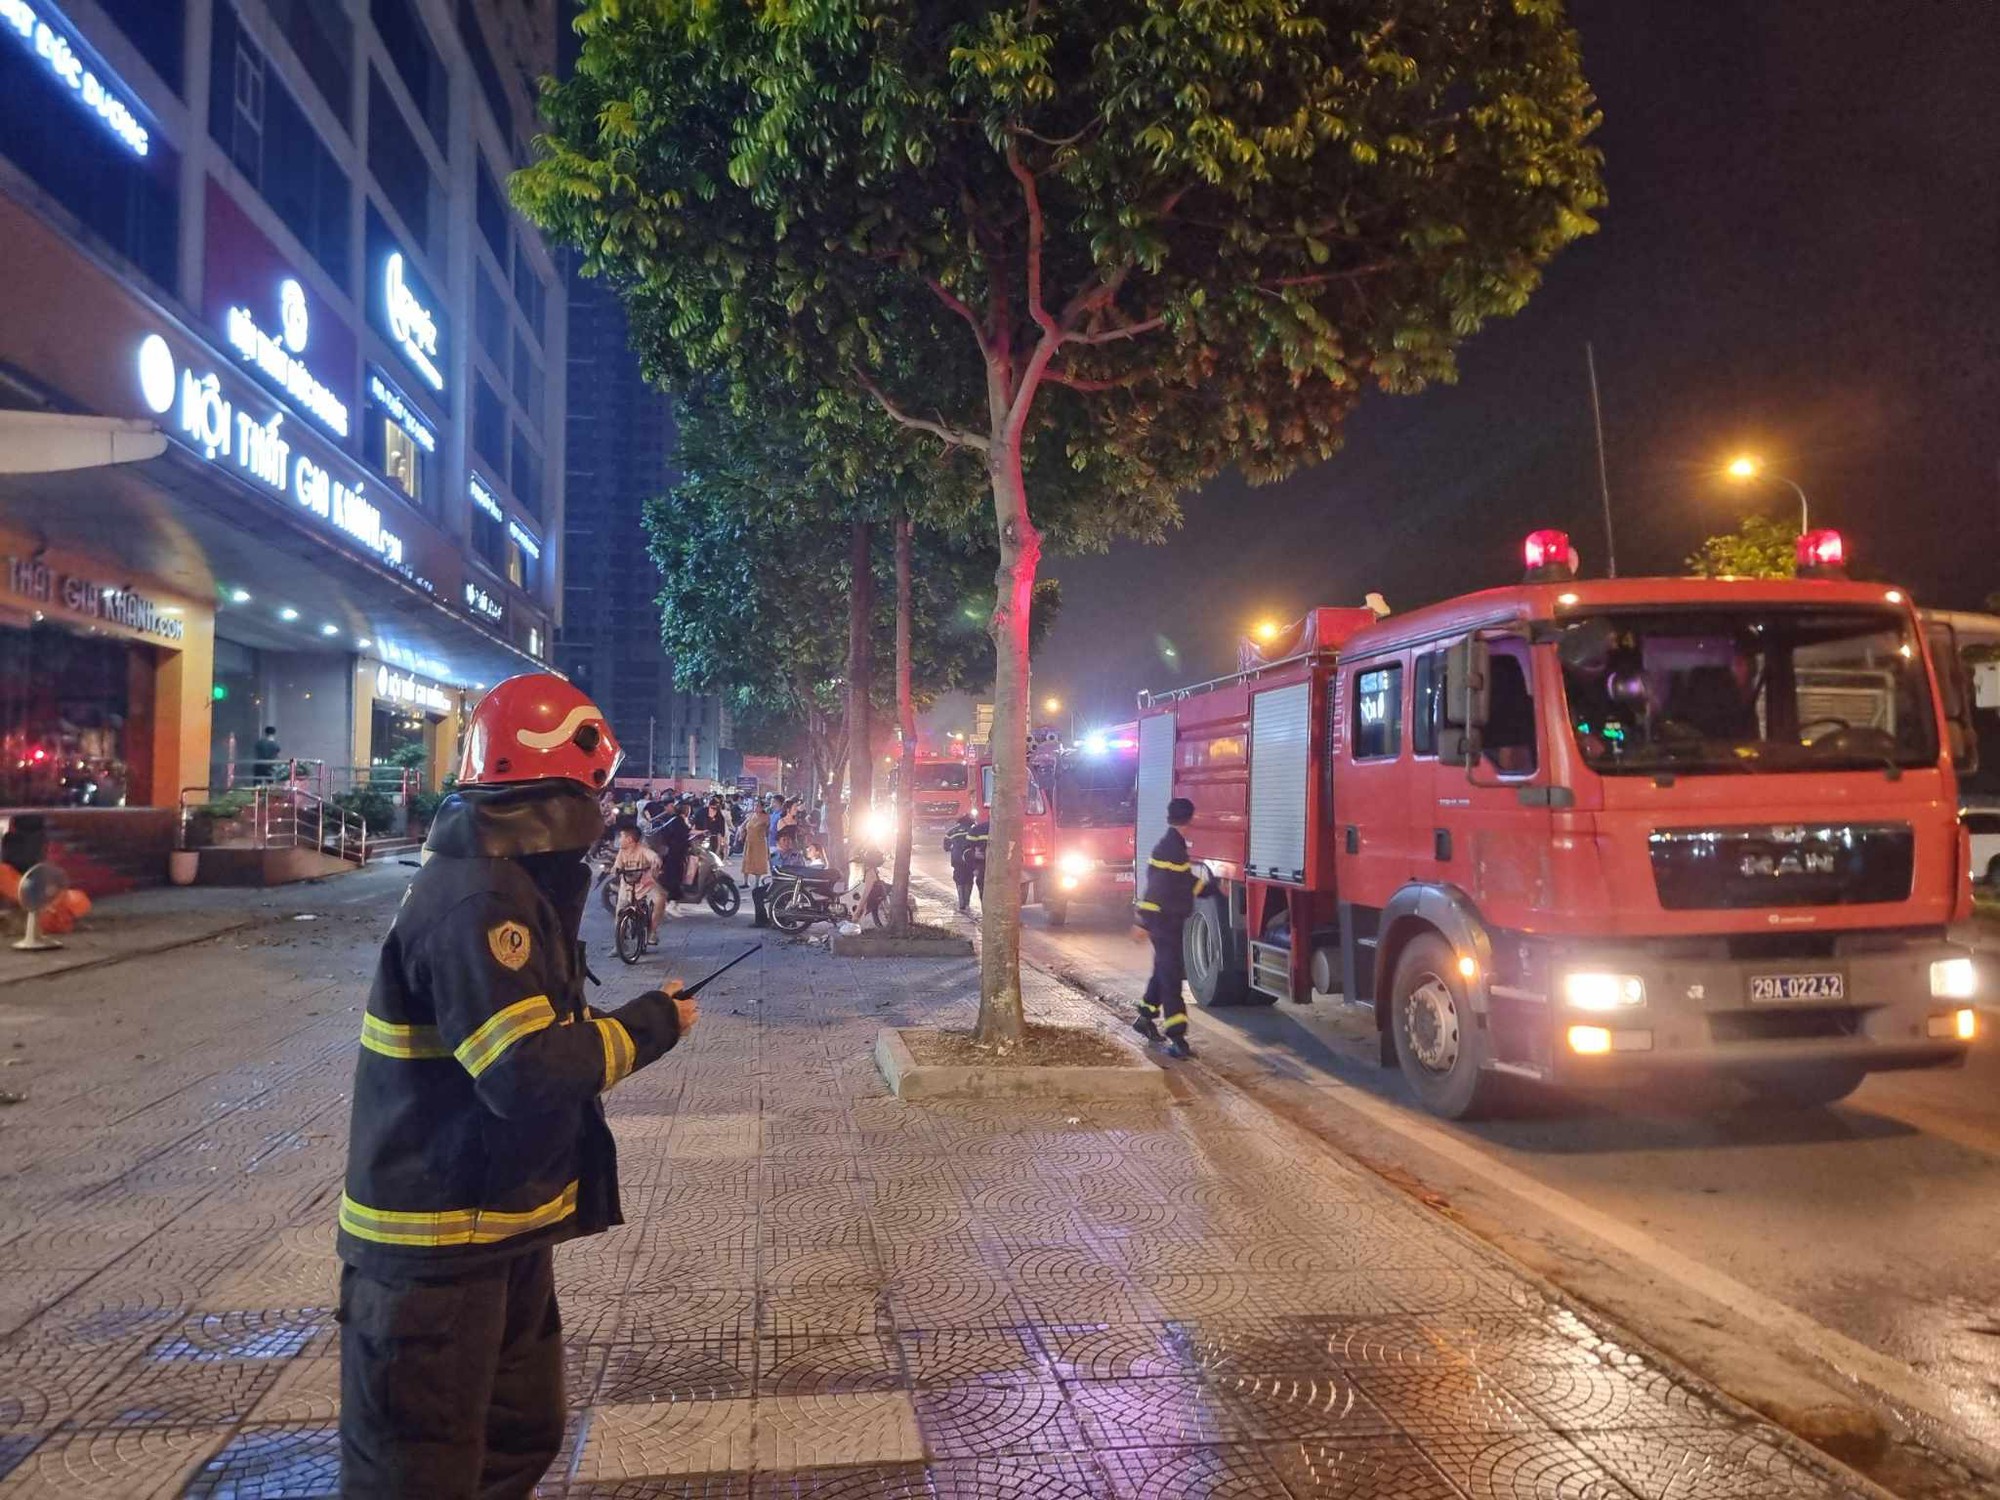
[906, 722]
[860, 688]
[1000, 1014]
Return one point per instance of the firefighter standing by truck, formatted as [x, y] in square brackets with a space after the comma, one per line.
[1172, 883]
[477, 1140]
[961, 868]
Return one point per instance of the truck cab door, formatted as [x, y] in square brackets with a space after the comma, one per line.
[1487, 823]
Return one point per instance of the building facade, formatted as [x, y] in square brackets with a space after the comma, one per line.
[281, 386]
[621, 445]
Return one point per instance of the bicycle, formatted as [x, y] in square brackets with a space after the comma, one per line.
[633, 925]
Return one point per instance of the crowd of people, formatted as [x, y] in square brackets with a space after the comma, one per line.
[658, 840]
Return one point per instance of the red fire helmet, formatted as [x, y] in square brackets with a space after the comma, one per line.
[537, 726]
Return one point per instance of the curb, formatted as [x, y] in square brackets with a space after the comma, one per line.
[1141, 1079]
[873, 945]
[106, 960]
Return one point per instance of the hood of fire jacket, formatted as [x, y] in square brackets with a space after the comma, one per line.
[512, 822]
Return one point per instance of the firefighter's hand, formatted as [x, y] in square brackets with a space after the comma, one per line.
[686, 1007]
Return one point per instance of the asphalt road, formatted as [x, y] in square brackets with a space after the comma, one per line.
[1878, 1219]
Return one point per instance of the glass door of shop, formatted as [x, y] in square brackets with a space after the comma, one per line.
[74, 712]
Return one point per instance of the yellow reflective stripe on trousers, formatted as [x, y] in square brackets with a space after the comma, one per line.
[394, 1040]
[620, 1052]
[452, 1226]
[1166, 864]
[482, 1049]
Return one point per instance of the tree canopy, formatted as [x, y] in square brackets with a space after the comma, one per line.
[1107, 248]
[1759, 548]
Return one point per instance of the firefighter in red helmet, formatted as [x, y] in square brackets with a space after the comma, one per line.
[477, 1140]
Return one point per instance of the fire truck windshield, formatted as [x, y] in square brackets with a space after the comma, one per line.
[1097, 792]
[941, 776]
[1718, 691]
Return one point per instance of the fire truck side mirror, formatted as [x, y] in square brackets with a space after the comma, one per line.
[1468, 684]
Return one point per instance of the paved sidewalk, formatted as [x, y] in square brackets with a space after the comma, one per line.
[822, 1291]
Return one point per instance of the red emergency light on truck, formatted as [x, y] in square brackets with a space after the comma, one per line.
[1577, 830]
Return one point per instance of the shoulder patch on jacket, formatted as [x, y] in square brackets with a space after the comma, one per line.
[510, 945]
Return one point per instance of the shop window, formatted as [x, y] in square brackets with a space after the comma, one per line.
[530, 294]
[520, 569]
[526, 473]
[129, 202]
[471, 33]
[491, 210]
[489, 423]
[67, 705]
[397, 162]
[489, 316]
[155, 28]
[408, 44]
[254, 117]
[402, 459]
[1377, 728]
[323, 38]
[490, 540]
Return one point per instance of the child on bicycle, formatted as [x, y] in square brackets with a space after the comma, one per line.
[634, 857]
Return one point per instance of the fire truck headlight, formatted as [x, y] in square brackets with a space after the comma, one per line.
[1076, 864]
[1954, 979]
[1590, 990]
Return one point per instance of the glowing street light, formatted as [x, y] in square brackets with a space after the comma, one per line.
[1267, 630]
[1052, 705]
[1745, 467]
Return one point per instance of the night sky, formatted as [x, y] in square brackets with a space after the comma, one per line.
[1801, 256]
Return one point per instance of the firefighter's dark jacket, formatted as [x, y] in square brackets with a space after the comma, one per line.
[477, 1132]
[1172, 882]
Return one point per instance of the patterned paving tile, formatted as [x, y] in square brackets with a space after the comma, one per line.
[791, 1366]
[989, 1420]
[1707, 1462]
[909, 1481]
[666, 1438]
[272, 1463]
[1222, 1472]
[852, 1427]
[306, 1392]
[133, 1463]
[961, 1356]
[1359, 1468]
[708, 1370]
[1019, 1477]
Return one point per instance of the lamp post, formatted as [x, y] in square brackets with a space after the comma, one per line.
[1745, 467]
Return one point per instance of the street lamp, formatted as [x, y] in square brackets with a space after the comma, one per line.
[1052, 705]
[1746, 466]
[1267, 630]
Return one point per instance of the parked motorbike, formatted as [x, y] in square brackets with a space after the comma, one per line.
[710, 880]
[797, 898]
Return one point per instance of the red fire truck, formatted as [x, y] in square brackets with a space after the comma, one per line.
[1076, 835]
[1577, 831]
[943, 787]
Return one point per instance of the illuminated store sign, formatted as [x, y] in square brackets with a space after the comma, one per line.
[41, 584]
[412, 661]
[70, 62]
[278, 357]
[482, 603]
[232, 436]
[402, 308]
[525, 539]
[483, 497]
[400, 410]
[401, 687]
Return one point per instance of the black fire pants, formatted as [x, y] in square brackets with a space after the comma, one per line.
[450, 1390]
[1163, 1003]
[961, 876]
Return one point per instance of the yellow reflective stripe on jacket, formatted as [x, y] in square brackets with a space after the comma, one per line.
[620, 1052]
[1147, 905]
[1167, 864]
[452, 1226]
[1200, 884]
[394, 1040]
[482, 1049]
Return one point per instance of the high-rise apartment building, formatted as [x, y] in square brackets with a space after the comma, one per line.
[274, 234]
[621, 444]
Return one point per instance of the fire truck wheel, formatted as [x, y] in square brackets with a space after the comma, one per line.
[1438, 1042]
[1214, 969]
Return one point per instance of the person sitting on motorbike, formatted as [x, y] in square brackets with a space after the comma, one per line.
[789, 860]
[633, 859]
